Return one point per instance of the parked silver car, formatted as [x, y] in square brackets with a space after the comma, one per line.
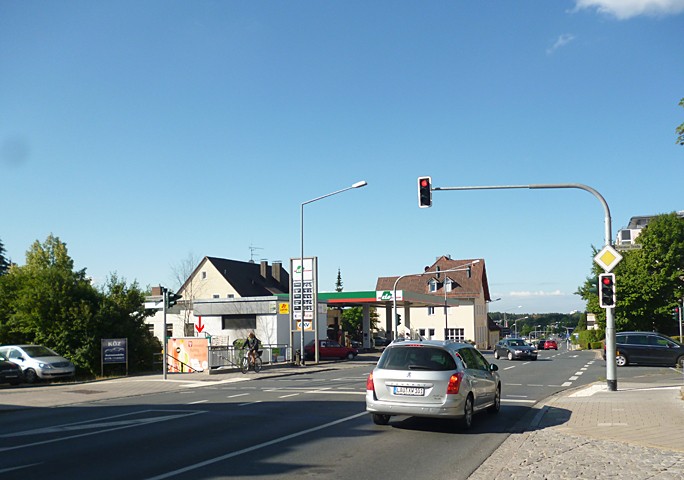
[38, 362]
[428, 378]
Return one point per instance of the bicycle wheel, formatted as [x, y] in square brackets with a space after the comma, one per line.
[257, 365]
[244, 365]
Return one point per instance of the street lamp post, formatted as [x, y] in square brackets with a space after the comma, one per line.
[360, 184]
[395, 323]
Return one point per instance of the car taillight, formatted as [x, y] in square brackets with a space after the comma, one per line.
[369, 383]
[454, 383]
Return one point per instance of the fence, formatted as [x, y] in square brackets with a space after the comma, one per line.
[227, 356]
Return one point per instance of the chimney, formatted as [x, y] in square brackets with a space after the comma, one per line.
[276, 271]
[264, 268]
[157, 290]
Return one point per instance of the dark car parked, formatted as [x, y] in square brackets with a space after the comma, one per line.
[514, 348]
[10, 372]
[647, 348]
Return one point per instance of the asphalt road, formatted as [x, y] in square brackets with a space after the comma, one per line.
[309, 425]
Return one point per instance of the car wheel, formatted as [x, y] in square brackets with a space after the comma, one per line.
[380, 419]
[30, 376]
[621, 360]
[14, 383]
[496, 354]
[350, 356]
[510, 355]
[680, 362]
[467, 420]
[497, 401]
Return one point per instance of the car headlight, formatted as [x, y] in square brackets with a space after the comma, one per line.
[518, 351]
[44, 366]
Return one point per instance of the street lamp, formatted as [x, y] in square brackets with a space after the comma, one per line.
[360, 184]
[515, 325]
[395, 323]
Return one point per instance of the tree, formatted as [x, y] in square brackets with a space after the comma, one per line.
[680, 129]
[4, 263]
[650, 281]
[338, 283]
[352, 321]
[46, 302]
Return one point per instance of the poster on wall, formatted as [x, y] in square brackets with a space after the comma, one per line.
[188, 355]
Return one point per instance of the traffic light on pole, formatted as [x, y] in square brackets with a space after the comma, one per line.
[607, 290]
[172, 299]
[424, 192]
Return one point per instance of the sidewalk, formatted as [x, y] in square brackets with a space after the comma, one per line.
[635, 433]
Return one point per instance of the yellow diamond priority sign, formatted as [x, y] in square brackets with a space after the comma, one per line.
[607, 258]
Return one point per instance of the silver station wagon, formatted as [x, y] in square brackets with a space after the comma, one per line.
[427, 378]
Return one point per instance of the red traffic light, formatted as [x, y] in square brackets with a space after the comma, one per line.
[607, 280]
[424, 192]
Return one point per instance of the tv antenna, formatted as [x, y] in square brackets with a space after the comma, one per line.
[252, 248]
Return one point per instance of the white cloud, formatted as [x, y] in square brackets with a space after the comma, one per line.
[562, 41]
[624, 9]
[538, 293]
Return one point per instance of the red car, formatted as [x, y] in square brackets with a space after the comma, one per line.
[329, 349]
[550, 345]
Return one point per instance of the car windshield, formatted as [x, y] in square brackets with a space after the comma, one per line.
[416, 358]
[39, 351]
[517, 343]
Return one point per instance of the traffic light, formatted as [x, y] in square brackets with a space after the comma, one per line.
[424, 192]
[607, 290]
[172, 299]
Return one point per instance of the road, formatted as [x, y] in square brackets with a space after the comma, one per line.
[309, 425]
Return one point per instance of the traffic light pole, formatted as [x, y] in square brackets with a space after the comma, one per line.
[165, 293]
[611, 368]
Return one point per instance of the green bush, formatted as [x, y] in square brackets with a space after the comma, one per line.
[588, 337]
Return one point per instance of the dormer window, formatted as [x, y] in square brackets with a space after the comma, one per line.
[432, 286]
[448, 285]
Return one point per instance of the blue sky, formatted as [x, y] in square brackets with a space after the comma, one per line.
[145, 133]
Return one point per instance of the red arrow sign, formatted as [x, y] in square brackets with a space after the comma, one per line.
[199, 325]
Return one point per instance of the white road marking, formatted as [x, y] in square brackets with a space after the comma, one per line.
[100, 425]
[276, 441]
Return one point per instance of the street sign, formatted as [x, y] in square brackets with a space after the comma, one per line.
[607, 258]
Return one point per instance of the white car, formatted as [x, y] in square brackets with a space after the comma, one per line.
[427, 378]
[38, 362]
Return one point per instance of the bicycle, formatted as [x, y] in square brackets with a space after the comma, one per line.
[246, 363]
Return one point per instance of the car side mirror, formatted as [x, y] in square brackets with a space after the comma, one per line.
[493, 367]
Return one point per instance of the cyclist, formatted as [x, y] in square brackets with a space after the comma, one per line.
[252, 346]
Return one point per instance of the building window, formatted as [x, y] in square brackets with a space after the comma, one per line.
[150, 328]
[421, 332]
[216, 295]
[230, 295]
[432, 332]
[433, 285]
[448, 284]
[431, 310]
[204, 275]
[455, 334]
[169, 329]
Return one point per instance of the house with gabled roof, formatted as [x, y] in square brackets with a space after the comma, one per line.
[226, 299]
[457, 306]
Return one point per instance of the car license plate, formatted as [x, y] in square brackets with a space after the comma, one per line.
[410, 391]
